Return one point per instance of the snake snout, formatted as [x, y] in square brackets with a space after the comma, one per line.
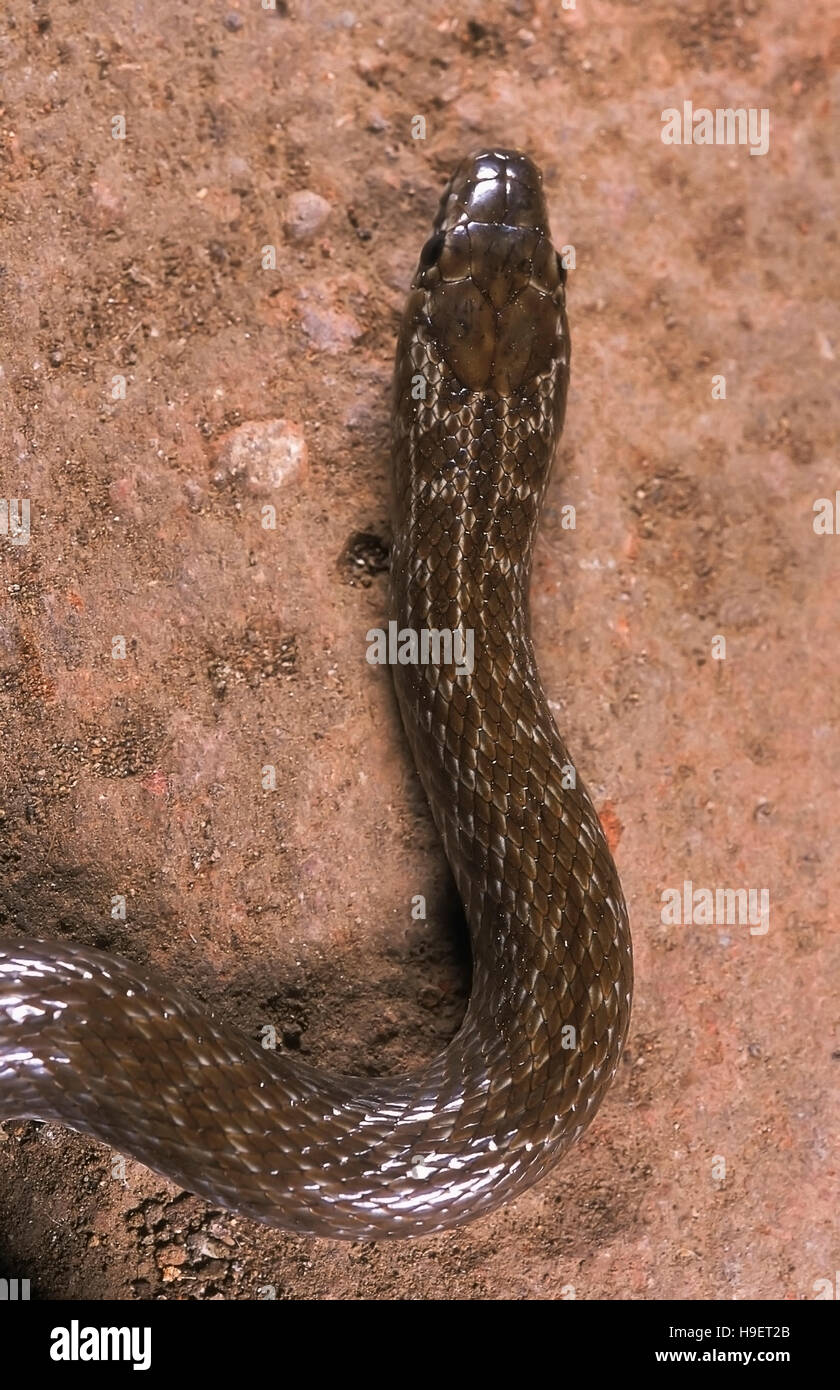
[497, 186]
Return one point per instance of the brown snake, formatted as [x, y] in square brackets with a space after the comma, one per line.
[107, 1048]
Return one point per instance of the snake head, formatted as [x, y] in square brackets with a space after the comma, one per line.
[490, 283]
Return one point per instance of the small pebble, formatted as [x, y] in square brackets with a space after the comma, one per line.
[263, 454]
[305, 214]
[330, 331]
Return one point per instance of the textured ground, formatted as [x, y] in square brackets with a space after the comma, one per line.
[712, 1168]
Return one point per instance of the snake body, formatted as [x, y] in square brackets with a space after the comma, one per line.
[96, 1043]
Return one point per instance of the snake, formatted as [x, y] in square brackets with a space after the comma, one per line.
[110, 1049]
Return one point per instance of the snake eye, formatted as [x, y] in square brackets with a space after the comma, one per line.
[430, 254]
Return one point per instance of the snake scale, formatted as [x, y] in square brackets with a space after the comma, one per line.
[96, 1043]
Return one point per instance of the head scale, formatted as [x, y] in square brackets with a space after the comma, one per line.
[489, 280]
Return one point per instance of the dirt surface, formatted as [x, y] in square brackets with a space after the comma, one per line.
[136, 770]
